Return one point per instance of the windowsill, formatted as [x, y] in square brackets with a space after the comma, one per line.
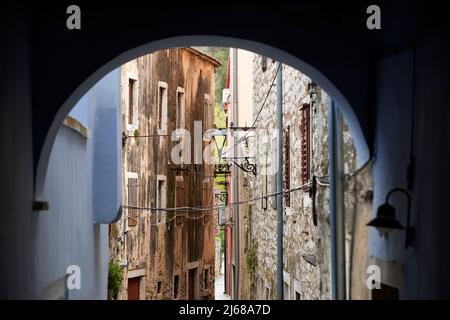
[132, 127]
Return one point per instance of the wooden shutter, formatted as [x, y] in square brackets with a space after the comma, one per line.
[287, 165]
[305, 143]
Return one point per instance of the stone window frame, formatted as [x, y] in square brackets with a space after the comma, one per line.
[206, 271]
[161, 215]
[132, 175]
[162, 108]
[176, 296]
[287, 280]
[193, 265]
[134, 123]
[180, 122]
[138, 273]
[297, 288]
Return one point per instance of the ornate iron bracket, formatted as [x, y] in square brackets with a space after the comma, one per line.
[246, 165]
[222, 197]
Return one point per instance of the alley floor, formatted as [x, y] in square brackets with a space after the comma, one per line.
[220, 288]
[220, 285]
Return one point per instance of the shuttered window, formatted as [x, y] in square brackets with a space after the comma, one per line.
[305, 147]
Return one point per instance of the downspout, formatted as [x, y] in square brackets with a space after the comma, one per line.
[337, 213]
[279, 115]
[236, 177]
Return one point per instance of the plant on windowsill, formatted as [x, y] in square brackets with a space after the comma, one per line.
[137, 133]
[115, 278]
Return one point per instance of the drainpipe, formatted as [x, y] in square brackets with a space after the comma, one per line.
[236, 178]
[337, 213]
[279, 115]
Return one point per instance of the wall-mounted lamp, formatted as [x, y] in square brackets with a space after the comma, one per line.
[386, 220]
[219, 144]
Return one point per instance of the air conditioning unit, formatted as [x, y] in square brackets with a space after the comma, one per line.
[226, 95]
[226, 99]
[123, 263]
[222, 216]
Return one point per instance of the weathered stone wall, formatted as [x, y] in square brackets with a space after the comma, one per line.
[306, 245]
[158, 246]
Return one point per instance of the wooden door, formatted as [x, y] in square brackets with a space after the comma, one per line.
[133, 288]
[191, 284]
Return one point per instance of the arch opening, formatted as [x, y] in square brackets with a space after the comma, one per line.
[313, 73]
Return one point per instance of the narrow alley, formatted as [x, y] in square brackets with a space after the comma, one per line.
[224, 151]
[203, 180]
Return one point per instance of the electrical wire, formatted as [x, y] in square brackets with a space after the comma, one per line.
[259, 112]
[202, 209]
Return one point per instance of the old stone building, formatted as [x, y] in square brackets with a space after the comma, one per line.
[306, 239]
[166, 253]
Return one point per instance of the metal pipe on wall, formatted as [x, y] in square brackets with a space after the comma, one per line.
[280, 209]
[236, 176]
[337, 213]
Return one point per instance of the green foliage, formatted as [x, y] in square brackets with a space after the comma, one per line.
[114, 231]
[221, 55]
[251, 258]
[115, 279]
[137, 133]
[221, 237]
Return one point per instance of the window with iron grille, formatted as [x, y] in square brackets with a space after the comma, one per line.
[287, 165]
[305, 141]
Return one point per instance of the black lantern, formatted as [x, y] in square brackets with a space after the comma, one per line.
[386, 220]
[216, 134]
